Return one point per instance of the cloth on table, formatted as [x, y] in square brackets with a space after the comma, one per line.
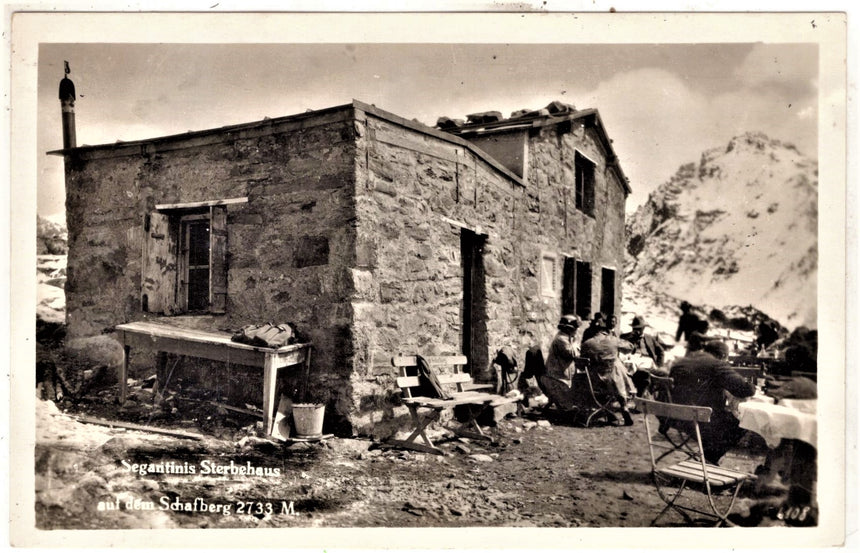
[775, 422]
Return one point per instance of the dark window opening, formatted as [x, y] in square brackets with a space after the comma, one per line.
[197, 277]
[607, 291]
[584, 184]
[576, 288]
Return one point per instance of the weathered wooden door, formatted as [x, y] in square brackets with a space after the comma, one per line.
[158, 272]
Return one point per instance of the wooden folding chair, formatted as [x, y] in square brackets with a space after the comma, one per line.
[683, 465]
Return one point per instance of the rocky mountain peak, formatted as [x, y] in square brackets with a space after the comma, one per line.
[738, 227]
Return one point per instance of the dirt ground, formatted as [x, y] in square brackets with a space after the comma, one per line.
[541, 473]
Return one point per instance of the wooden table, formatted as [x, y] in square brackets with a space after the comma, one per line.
[216, 346]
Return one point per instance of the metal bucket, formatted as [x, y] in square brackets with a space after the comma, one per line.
[308, 418]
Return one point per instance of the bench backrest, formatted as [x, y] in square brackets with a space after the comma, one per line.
[457, 377]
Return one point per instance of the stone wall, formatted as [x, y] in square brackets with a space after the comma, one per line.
[412, 191]
[289, 248]
[565, 230]
[352, 231]
[409, 290]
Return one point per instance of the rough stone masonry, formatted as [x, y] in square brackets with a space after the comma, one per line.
[367, 231]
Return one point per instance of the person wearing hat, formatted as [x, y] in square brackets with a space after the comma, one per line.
[556, 381]
[602, 352]
[700, 378]
[645, 345]
[562, 350]
[598, 324]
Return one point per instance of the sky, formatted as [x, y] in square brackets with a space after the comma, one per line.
[662, 104]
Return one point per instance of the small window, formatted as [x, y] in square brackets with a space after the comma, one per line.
[548, 275]
[195, 262]
[184, 261]
[584, 184]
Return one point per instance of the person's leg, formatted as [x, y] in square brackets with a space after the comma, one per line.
[719, 436]
[558, 392]
[641, 379]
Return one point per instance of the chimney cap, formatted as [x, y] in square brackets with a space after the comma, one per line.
[67, 87]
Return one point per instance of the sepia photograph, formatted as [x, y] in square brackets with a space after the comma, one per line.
[462, 272]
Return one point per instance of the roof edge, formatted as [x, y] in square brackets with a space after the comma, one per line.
[442, 135]
[197, 134]
[546, 121]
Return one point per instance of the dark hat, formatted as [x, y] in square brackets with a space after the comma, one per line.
[638, 322]
[568, 321]
[717, 348]
[599, 317]
[685, 305]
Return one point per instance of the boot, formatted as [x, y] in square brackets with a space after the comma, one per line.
[628, 420]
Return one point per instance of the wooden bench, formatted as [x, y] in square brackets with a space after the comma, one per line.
[425, 410]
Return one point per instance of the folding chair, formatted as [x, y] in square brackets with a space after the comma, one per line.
[661, 390]
[592, 396]
[683, 464]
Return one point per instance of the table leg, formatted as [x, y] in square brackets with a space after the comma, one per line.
[123, 374]
[269, 389]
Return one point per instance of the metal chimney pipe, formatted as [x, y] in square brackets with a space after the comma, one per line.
[67, 105]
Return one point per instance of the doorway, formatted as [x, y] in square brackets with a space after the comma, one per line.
[474, 313]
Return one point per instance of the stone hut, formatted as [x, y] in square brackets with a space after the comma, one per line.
[373, 234]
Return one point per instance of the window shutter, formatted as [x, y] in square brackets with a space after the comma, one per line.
[589, 190]
[158, 273]
[218, 259]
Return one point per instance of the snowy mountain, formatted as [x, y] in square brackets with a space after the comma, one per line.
[737, 228]
[51, 247]
[51, 235]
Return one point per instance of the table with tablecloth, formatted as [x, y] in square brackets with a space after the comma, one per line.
[789, 418]
[790, 429]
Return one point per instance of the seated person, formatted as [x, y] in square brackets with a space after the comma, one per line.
[701, 378]
[611, 324]
[529, 381]
[602, 351]
[646, 346]
[699, 336]
[559, 365]
[598, 323]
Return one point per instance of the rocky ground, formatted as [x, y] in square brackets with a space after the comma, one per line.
[541, 473]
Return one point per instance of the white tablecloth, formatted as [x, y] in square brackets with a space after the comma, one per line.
[796, 419]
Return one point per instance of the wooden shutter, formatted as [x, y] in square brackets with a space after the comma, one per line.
[589, 189]
[568, 288]
[218, 259]
[158, 272]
